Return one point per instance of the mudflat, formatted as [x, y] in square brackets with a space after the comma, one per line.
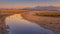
[51, 23]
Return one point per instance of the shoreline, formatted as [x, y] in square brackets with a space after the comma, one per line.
[47, 24]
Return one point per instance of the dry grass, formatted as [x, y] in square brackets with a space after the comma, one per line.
[13, 11]
[50, 14]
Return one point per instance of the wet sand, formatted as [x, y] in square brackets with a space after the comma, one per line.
[51, 23]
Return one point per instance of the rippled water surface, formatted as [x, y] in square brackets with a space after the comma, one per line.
[18, 25]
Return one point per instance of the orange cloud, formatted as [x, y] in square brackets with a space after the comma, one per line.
[14, 6]
[27, 5]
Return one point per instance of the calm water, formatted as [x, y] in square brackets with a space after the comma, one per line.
[18, 25]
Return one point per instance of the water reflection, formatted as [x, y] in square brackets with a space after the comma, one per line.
[18, 25]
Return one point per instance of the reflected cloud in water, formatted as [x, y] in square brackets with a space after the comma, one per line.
[18, 25]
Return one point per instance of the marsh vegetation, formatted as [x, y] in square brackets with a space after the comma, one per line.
[49, 14]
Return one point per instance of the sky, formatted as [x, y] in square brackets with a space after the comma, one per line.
[28, 3]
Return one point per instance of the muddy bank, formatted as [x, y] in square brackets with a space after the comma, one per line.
[51, 23]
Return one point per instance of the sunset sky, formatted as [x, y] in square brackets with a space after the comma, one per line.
[28, 3]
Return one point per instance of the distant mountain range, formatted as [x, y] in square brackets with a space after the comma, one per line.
[50, 8]
[43, 8]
